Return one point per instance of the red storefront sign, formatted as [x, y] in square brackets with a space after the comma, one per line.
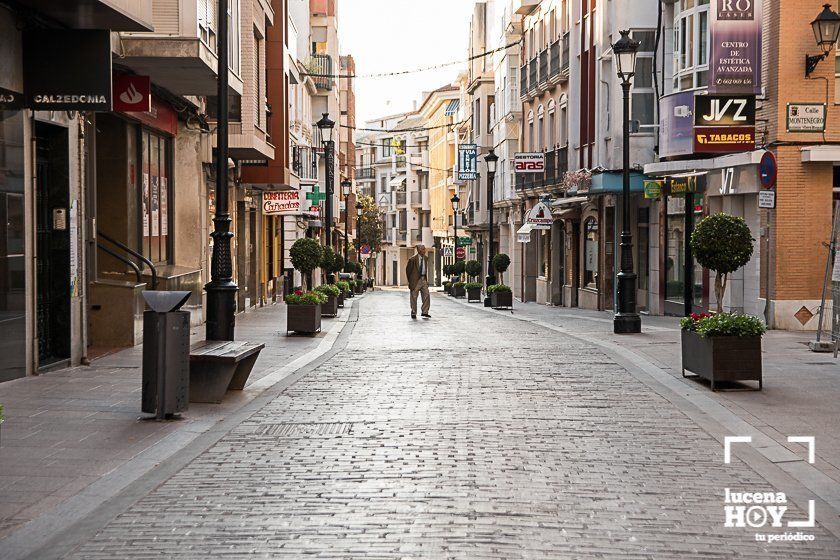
[161, 117]
[132, 93]
[724, 139]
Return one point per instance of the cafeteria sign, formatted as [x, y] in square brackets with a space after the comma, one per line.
[282, 203]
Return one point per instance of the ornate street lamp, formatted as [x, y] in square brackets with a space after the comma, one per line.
[491, 159]
[826, 29]
[359, 208]
[455, 200]
[346, 187]
[221, 290]
[325, 125]
[626, 320]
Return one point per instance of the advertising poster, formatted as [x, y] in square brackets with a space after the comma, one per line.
[155, 206]
[735, 60]
[164, 207]
[676, 125]
[145, 205]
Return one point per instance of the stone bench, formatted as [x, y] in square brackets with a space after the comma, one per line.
[218, 366]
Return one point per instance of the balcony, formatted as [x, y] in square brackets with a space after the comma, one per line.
[180, 55]
[543, 58]
[564, 57]
[556, 166]
[416, 199]
[305, 163]
[365, 174]
[554, 62]
[402, 236]
[401, 198]
[399, 161]
[532, 76]
[523, 81]
[322, 66]
[415, 236]
[116, 15]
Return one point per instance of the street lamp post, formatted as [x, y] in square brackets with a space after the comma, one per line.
[221, 290]
[826, 29]
[325, 125]
[359, 208]
[626, 320]
[455, 200]
[346, 186]
[491, 158]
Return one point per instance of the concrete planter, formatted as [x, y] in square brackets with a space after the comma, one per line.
[357, 289]
[459, 291]
[722, 358]
[501, 300]
[330, 309]
[341, 299]
[474, 295]
[303, 318]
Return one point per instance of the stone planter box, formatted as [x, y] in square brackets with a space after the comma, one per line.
[501, 300]
[341, 299]
[303, 318]
[722, 358]
[348, 294]
[357, 289]
[474, 295]
[330, 309]
[459, 291]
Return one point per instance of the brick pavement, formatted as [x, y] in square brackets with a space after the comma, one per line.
[468, 436]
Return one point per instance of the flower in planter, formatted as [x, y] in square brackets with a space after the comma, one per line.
[328, 290]
[473, 285]
[723, 324]
[498, 288]
[343, 286]
[306, 298]
[459, 284]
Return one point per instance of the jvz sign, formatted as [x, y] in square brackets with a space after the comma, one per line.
[724, 110]
[529, 162]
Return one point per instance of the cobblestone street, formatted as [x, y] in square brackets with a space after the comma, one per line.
[470, 435]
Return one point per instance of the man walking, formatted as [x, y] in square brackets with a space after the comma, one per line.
[417, 271]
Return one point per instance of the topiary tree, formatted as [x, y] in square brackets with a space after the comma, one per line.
[473, 269]
[722, 243]
[447, 270]
[306, 257]
[459, 267]
[338, 263]
[327, 260]
[501, 262]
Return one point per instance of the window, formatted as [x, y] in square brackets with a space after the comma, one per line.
[257, 82]
[233, 36]
[386, 147]
[530, 145]
[491, 106]
[643, 99]
[154, 195]
[207, 23]
[837, 79]
[540, 143]
[552, 125]
[564, 122]
[590, 254]
[691, 44]
[477, 117]
[544, 256]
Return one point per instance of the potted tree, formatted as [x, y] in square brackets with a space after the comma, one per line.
[473, 287]
[458, 270]
[303, 312]
[722, 346]
[501, 262]
[344, 288]
[447, 273]
[306, 257]
[501, 296]
[330, 307]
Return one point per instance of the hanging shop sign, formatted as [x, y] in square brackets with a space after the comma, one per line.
[540, 217]
[10, 100]
[767, 199]
[679, 186]
[768, 170]
[735, 36]
[806, 117]
[676, 124]
[467, 162]
[161, 117]
[653, 189]
[67, 69]
[724, 110]
[723, 140]
[132, 93]
[529, 162]
[282, 203]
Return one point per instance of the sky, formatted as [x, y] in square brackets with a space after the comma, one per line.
[394, 35]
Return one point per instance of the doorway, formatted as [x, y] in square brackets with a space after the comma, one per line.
[52, 207]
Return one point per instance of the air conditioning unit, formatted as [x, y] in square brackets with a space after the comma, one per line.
[682, 111]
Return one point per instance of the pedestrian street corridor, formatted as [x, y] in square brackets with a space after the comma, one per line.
[469, 435]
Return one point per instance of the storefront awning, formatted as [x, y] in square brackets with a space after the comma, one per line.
[569, 201]
[820, 153]
[612, 182]
[527, 228]
[665, 168]
[397, 181]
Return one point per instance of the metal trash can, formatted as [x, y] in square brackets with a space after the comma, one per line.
[166, 354]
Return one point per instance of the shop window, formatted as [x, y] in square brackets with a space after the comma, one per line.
[590, 254]
[675, 251]
[155, 196]
[544, 254]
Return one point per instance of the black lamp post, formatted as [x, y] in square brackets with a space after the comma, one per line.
[826, 31]
[626, 320]
[491, 158]
[359, 208]
[325, 125]
[346, 186]
[221, 290]
[455, 200]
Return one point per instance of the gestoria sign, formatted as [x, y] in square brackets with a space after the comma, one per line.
[282, 203]
[529, 162]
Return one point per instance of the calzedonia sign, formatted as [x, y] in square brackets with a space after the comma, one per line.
[67, 69]
[735, 59]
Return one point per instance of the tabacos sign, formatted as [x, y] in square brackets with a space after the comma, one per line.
[723, 139]
[529, 162]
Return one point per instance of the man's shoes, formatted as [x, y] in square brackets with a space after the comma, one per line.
[427, 316]
[414, 315]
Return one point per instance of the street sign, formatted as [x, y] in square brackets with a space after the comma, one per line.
[767, 199]
[460, 253]
[465, 241]
[447, 252]
[467, 162]
[365, 249]
[806, 117]
[768, 170]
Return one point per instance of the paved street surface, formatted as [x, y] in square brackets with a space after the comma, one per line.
[472, 435]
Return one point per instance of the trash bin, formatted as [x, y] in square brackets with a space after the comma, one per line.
[166, 354]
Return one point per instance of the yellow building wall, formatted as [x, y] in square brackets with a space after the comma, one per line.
[441, 160]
